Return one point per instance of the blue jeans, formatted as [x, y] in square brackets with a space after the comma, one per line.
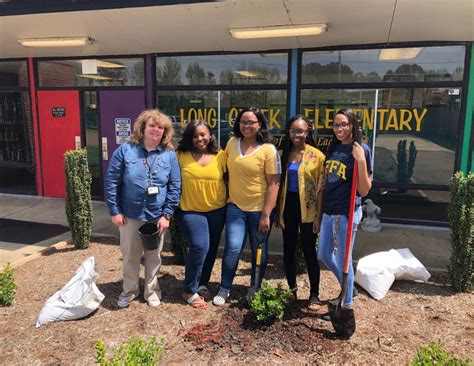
[238, 225]
[202, 231]
[332, 246]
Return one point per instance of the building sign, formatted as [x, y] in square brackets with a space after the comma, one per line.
[123, 130]
[388, 119]
[58, 112]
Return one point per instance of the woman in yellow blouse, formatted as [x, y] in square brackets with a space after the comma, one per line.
[254, 178]
[299, 206]
[202, 206]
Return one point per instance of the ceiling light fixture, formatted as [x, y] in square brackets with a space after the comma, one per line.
[55, 42]
[95, 77]
[246, 74]
[279, 31]
[389, 54]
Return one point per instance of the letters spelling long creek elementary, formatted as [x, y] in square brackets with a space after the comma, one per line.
[388, 118]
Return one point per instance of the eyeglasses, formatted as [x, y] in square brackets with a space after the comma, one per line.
[344, 126]
[294, 131]
[247, 123]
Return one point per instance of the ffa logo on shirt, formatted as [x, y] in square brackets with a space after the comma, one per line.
[336, 169]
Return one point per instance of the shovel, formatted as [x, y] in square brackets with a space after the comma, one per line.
[258, 260]
[343, 320]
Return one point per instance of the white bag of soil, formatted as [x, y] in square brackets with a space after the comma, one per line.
[77, 299]
[377, 272]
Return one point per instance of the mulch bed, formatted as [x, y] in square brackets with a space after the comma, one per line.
[388, 331]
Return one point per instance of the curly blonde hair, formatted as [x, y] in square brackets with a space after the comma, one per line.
[159, 118]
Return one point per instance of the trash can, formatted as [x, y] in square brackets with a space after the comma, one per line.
[149, 234]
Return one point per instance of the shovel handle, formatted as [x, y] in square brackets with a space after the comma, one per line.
[259, 255]
[350, 219]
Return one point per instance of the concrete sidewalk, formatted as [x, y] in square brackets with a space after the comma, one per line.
[431, 245]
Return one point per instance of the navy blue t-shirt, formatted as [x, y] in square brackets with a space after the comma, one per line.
[339, 169]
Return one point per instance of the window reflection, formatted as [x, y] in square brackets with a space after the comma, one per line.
[92, 72]
[185, 106]
[416, 129]
[239, 69]
[352, 66]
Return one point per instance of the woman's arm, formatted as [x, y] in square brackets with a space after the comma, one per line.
[273, 184]
[113, 184]
[364, 183]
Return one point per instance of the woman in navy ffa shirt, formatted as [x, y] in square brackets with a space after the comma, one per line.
[341, 155]
[143, 184]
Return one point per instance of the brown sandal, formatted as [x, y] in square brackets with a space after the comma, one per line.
[196, 301]
[314, 305]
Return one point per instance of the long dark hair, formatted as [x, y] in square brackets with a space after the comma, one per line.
[356, 132]
[263, 135]
[287, 144]
[186, 143]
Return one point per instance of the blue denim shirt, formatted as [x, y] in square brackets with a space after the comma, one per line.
[127, 182]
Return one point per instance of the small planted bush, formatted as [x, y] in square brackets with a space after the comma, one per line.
[461, 221]
[135, 352]
[433, 354]
[7, 286]
[78, 197]
[268, 303]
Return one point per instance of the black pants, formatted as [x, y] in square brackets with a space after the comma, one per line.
[292, 219]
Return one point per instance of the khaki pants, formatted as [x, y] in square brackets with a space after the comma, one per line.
[132, 250]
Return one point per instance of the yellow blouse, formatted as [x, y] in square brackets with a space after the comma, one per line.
[202, 187]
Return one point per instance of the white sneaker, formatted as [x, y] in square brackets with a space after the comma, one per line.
[221, 297]
[124, 302]
[154, 303]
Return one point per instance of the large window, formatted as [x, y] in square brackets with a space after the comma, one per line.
[384, 65]
[417, 118]
[189, 87]
[92, 72]
[17, 167]
[239, 69]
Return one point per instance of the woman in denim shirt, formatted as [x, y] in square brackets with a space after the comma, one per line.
[143, 184]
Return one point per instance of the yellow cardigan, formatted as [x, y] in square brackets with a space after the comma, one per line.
[310, 180]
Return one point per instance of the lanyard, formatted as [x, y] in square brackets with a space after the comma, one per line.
[149, 167]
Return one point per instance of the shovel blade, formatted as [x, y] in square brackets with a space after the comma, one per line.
[343, 320]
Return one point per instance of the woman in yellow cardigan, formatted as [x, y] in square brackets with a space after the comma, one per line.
[300, 201]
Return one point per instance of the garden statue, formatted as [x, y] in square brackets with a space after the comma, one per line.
[371, 223]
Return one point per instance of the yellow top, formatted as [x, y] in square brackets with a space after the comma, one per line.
[310, 182]
[247, 174]
[202, 187]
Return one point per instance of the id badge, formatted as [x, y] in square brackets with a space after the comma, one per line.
[153, 190]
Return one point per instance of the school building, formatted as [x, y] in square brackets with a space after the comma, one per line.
[76, 73]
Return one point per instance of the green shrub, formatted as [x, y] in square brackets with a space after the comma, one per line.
[461, 220]
[78, 197]
[433, 354]
[179, 246]
[7, 286]
[135, 352]
[402, 161]
[412, 152]
[268, 303]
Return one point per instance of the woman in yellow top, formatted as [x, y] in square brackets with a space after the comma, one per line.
[254, 177]
[300, 202]
[201, 214]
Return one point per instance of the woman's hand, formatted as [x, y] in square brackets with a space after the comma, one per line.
[163, 224]
[317, 225]
[119, 220]
[264, 223]
[358, 152]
